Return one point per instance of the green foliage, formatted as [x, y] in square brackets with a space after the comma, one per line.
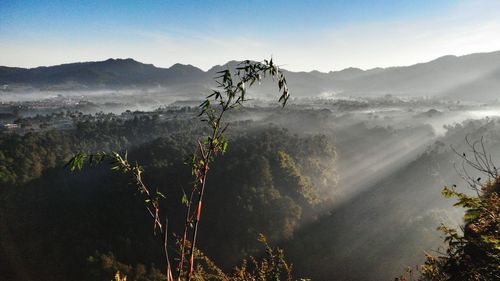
[249, 196]
[271, 266]
[473, 253]
[305, 189]
[24, 158]
[262, 196]
[106, 266]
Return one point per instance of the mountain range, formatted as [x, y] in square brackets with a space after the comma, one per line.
[475, 76]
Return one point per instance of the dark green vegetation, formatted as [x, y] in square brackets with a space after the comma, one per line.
[52, 221]
[338, 198]
[473, 252]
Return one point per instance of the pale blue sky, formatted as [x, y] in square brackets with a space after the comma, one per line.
[301, 35]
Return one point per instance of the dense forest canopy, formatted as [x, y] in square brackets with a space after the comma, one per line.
[295, 186]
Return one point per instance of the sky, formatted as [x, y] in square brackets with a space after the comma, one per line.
[299, 35]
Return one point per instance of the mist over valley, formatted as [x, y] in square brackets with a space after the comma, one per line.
[349, 171]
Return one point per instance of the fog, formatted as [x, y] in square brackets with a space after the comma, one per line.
[392, 162]
[393, 157]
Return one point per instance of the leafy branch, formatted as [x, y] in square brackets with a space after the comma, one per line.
[473, 251]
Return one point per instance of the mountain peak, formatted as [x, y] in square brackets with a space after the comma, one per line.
[445, 58]
[121, 61]
[183, 66]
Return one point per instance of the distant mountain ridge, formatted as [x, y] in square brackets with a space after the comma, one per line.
[108, 73]
[475, 75]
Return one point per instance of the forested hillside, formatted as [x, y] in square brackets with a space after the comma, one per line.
[270, 182]
[328, 195]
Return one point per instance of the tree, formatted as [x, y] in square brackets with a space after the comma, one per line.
[473, 252]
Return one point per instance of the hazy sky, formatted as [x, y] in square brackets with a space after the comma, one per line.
[300, 35]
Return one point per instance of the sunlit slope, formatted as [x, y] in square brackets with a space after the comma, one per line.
[388, 223]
